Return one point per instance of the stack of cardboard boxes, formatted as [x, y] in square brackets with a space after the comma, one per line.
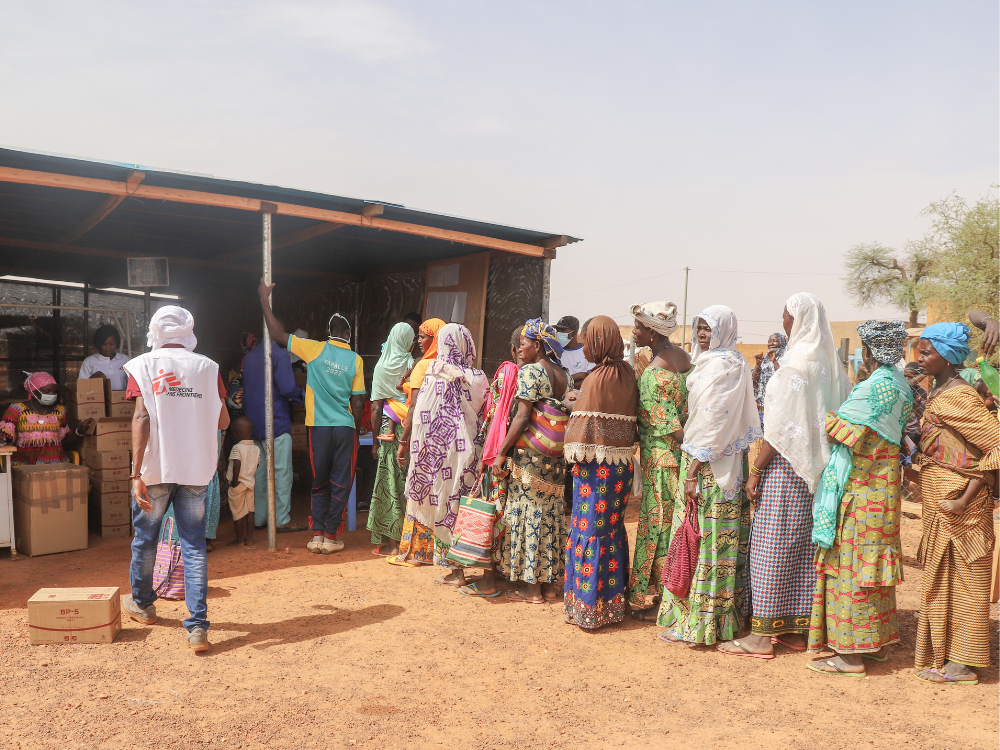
[85, 400]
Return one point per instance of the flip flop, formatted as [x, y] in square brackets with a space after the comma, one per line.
[517, 596]
[671, 641]
[838, 673]
[876, 657]
[786, 644]
[948, 679]
[746, 651]
[378, 551]
[473, 590]
[443, 580]
[394, 560]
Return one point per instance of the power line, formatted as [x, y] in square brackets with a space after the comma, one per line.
[604, 288]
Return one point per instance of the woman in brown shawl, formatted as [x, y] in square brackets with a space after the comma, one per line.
[600, 443]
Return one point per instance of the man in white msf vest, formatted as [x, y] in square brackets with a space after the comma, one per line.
[179, 406]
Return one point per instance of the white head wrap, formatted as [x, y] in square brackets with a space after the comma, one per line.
[171, 325]
[723, 419]
[810, 381]
[660, 316]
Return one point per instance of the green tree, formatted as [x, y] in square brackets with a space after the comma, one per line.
[965, 242]
[877, 274]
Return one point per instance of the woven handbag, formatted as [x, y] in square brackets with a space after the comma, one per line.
[168, 569]
[682, 555]
[472, 539]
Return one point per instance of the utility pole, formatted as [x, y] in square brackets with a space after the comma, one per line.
[684, 322]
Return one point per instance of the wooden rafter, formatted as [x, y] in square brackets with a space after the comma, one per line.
[112, 187]
[57, 247]
[107, 206]
[316, 230]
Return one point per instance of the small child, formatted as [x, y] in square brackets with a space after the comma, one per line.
[243, 462]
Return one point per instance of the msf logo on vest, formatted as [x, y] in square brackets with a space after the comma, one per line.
[168, 384]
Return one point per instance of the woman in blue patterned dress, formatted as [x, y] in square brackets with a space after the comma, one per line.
[600, 443]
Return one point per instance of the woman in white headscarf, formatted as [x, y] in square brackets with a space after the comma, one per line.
[663, 410]
[810, 382]
[722, 425]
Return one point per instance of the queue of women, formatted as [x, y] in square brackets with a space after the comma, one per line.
[791, 479]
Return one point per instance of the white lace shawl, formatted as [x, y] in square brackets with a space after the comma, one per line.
[723, 419]
[810, 382]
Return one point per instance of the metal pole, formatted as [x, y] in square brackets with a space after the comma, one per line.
[272, 523]
[684, 327]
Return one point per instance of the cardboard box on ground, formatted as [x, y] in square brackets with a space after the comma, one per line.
[50, 508]
[74, 615]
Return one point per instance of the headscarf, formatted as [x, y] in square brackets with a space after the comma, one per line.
[171, 325]
[885, 339]
[951, 340]
[602, 426]
[446, 446]
[659, 316]
[537, 330]
[498, 409]
[395, 361]
[431, 328]
[767, 368]
[810, 382]
[36, 381]
[723, 419]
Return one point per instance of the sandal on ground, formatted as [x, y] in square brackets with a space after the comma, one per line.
[835, 672]
[443, 580]
[517, 596]
[378, 551]
[473, 590]
[394, 560]
[876, 657]
[665, 637]
[922, 675]
[744, 651]
[786, 644]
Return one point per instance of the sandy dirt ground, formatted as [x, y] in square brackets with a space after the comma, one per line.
[347, 651]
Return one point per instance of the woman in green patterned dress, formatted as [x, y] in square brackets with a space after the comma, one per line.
[856, 512]
[662, 413]
[724, 422]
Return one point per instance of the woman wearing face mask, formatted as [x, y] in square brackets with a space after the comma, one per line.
[38, 426]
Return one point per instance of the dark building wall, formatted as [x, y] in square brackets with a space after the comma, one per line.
[513, 295]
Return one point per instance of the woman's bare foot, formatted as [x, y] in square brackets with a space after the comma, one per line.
[455, 578]
[389, 549]
[839, 664]
[752, 644]
[549, 592]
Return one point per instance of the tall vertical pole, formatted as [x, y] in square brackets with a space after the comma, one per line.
[684, 327]
[272, 524]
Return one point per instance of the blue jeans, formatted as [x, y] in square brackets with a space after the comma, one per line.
[332, 451]
[282, 482]
[189, 512]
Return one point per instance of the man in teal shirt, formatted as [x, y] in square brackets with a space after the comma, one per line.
[335, 396]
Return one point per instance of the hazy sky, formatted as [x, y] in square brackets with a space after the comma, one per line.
[728, 137]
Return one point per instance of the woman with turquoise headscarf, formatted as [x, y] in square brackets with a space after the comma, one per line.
[388, 506]
[856, 512]
[959, 457]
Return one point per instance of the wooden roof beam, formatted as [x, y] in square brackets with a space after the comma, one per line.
[57, 247]
[111, 187]
[99, 214]
[316, 230]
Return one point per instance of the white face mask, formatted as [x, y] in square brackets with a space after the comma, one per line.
[47, 399]
[562, 338]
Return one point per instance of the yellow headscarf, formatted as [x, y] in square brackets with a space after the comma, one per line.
[428, 328]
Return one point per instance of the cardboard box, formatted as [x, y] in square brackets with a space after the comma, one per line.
[76, 413]
[119, 474]
[110, 513]
[113, 397]
[50, 508]
[111, 434]
[300, 437]
[122, 410]
[104, 460]
[86, 391]
[103, 486]
[81, 615]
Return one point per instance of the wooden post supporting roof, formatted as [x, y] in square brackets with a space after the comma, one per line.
[152, 192]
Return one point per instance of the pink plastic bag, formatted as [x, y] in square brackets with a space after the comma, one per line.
[168, 570]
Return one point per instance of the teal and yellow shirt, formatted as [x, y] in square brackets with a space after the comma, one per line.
[334, 374]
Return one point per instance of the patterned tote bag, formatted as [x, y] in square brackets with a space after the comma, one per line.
[168, 569]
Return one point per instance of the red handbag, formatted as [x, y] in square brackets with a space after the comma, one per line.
[682, 556]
